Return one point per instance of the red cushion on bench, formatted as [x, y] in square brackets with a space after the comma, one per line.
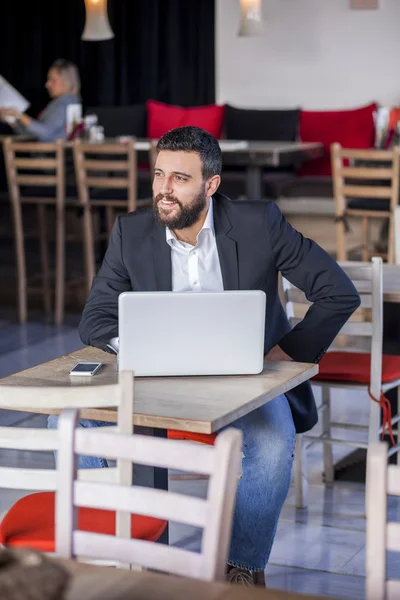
[350, 128]
[355, 366]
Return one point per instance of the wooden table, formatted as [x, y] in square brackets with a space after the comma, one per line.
[197, 404]
[100, 583]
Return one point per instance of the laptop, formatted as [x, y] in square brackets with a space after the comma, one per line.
[186, 333]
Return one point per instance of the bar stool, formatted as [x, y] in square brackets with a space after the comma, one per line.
[36, 177]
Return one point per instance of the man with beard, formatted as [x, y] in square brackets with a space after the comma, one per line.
[197, 240]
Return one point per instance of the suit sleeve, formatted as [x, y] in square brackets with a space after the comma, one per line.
[99, 322]
[332, 294]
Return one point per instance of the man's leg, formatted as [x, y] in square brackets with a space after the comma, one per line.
[269, 439]
[84, 462]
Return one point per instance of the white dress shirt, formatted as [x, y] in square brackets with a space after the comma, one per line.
[196, 268]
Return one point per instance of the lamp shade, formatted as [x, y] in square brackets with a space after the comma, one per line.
[251, 23]
[97, 26]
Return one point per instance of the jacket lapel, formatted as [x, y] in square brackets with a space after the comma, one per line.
[226, 245]
[162, 260]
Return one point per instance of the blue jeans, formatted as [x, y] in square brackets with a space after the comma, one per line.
[269, 440]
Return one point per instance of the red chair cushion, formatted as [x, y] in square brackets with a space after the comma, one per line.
[30, 523]
[164, 117]
[349, 366]
[350, 128]
[203, 438]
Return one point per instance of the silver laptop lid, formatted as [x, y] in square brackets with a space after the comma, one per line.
[185, 333]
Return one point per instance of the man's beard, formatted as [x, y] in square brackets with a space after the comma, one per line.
[186, 216]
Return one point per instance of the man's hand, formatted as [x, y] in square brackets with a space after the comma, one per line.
[276, 353]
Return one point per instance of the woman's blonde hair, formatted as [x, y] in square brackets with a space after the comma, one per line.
[69, 72]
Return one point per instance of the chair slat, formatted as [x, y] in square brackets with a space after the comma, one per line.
[360, 191]
[58, 397]
[105, 165]
[298, 297]
[156, 452]
[393, 537]
[150, 555]
[35, 163]
[93, 149]
[36, 180]
[143, 501]
[393, 480]
[28, 438]
[393, 589]
[367, 173]
[104, 182]
[28, 479]
[369, 154]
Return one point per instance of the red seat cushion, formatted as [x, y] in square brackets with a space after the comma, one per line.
[164, 117]
[350, 128]
[203, 438]
[349, 366]
[30, 523]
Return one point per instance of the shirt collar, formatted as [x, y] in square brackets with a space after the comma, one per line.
[208, 224]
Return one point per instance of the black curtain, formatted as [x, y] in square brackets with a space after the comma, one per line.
[162, 50]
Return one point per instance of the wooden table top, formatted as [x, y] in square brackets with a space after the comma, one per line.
[101, 583]
[197, 404]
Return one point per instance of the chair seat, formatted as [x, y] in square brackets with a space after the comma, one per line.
[30, 523]
[369, 204]
[356, 367]
[202, 438]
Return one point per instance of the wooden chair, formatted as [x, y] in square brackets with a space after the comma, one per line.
[213, 514]
[382, 536]
[354, 362]
[357, 196]
[36, 177]
[30, 521]
[106, 175]
[397, 235]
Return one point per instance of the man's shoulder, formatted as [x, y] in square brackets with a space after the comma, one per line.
[141, 220]
[265, 209]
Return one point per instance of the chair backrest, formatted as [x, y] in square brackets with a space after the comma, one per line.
[55, 399]
[106, 166]
[213, 514]
[381, 535]
[33, 165]
[364, 330]
[377, 178]
[397, 235]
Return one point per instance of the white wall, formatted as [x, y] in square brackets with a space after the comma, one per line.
[316, 54]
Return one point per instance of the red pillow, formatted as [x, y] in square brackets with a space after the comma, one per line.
[356, 366]
[164, 117]
[350, 128]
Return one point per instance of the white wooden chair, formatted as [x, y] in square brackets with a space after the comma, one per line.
[30, 521]
[382, 536]
[397, 235]
[213, 514]
[361, 335]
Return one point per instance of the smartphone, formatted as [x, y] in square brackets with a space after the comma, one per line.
[85, 368]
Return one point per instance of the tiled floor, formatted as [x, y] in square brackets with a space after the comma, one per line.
[319, 550]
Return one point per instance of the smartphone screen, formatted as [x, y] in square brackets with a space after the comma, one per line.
[85, 368]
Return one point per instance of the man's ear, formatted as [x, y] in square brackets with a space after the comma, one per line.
[212, 185]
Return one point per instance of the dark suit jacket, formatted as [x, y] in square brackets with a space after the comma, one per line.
[254, 243]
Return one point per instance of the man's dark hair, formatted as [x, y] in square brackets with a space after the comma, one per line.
[195, 139]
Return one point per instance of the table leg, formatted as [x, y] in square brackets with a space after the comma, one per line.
[152, 476]
[253, 183]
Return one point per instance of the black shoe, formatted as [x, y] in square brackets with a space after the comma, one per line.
[241, 576]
